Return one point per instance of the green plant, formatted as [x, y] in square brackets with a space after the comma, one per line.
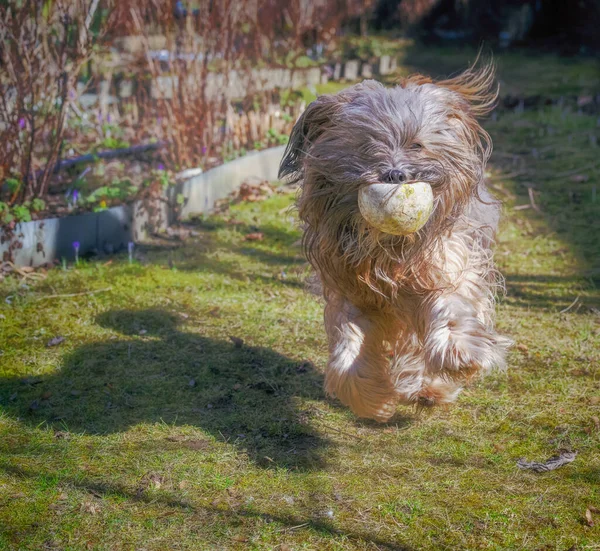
[38, 204]
[22, 213]
[118, 189]
[13, 185]
[113, 143]
[6, 216]
[164, 179]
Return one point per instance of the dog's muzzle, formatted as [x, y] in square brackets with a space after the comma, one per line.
[398, 209]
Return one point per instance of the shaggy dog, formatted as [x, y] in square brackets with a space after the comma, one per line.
[409, 319]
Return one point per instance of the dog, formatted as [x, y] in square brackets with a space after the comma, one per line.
[409, 318]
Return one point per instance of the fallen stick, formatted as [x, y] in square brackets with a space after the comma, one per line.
[68, 295]
[565, 310]
[110, 154]
[532, 200]
[341, 431]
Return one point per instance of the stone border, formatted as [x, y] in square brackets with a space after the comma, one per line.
[239, 82]
[44, 241]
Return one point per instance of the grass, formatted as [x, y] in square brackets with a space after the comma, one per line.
[149, 427]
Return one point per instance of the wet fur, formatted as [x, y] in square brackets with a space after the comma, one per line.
[425, 300]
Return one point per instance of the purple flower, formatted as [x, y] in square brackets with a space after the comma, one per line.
[21, 123]
[108, 118]
[204, 149]
[75, 197]
[161, 166]
[99, 117]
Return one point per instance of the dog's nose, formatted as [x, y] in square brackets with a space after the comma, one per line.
[396, 176]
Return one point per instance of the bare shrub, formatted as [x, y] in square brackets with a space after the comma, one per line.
[42, 48]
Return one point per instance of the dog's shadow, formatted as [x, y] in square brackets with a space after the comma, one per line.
[250, 397]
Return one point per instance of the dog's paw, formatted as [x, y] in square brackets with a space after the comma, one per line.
[371, 398]
[463, 348]
[438, 392]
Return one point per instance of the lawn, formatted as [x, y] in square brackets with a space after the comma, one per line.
[184, 408]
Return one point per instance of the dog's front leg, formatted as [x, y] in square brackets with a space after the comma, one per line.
[358, 370]
[459, 339]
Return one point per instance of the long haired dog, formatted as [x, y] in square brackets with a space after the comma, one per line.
[409, 318]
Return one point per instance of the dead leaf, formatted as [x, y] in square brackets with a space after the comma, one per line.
[580, 178]
[237, 386]
[150, 480]
[256, 236]
[588, 517]
[594, 400]
[596, 421]
[90, 507]
[236, 341]
[183, 484]
[556, 461]
[214, 312]
[523, 348]
[55, 341]
[46, 395]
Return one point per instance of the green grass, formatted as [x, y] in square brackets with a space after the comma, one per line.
[150, 428]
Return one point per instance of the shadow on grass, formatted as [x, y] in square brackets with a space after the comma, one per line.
[553, 293]
[218, 513]
[211, 254]
[248, 396]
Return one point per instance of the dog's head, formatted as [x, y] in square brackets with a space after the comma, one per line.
[419, 130]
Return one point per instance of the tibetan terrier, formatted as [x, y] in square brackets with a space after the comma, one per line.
[409, 286]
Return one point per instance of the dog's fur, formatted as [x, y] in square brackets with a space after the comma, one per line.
[425, 300]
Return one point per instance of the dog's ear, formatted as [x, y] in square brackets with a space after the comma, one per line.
[311, 124]
[476, 87]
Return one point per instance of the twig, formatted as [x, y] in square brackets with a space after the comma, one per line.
[532, 200]
[576, 170]
[341, 431]
[295, 527]
[77, 294]
[570, 306]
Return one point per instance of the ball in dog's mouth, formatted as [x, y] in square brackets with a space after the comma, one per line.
[397, 209]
